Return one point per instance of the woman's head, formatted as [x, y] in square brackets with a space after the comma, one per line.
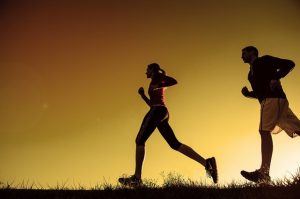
[154, 70]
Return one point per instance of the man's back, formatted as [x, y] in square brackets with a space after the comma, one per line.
[267, 68]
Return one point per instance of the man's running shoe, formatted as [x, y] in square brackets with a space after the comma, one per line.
[256, 176]
[211, 169]
[131, 181]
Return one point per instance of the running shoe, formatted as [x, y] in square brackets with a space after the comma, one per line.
[256, 176]
[131, 181]
[211, 169]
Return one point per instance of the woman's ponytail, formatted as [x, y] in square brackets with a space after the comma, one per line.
[162, 71]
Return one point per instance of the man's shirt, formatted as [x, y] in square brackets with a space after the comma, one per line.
[263, 70]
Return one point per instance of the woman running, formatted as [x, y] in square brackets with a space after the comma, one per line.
[158, 116]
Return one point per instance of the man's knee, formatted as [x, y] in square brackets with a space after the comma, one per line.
[263, 132]
[265, 135]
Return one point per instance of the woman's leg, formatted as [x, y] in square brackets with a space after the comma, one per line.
[139, 159]
[148, 126]
[189, 152]
[167, 132]
[209, 164]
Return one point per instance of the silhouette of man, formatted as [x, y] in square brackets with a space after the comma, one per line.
[275, 115]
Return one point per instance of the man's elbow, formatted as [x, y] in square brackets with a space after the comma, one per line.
[291, 64]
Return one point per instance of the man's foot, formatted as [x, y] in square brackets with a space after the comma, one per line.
[131, 181]
[256, 176]
[211, 169]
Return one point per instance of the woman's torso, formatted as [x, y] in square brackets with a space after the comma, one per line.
[156, 94]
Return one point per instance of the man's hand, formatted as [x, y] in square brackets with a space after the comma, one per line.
[245, 91]
[141, 91]
[274, 84]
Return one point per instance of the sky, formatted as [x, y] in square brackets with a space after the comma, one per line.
[70, 71]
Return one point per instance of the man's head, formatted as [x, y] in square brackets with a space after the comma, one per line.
[249, 54]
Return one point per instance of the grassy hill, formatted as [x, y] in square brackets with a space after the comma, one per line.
[174, 187]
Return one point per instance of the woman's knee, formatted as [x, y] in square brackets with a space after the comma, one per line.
[139, 142]
[175, 145]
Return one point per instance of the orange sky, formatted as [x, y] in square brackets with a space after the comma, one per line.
[70, 70]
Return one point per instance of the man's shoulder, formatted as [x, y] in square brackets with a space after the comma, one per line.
[267, 57]
[267, 60]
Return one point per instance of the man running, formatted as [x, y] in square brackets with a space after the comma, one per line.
[264, 76]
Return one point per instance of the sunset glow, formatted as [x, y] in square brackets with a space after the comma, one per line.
[70, 72]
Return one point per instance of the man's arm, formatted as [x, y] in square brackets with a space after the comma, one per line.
[249, 94]
[282, 67]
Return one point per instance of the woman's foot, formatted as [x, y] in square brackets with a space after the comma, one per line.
[211, 168]
[131, 181]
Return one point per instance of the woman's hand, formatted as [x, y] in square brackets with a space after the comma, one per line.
[141, 91]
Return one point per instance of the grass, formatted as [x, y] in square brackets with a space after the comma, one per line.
[174, 186]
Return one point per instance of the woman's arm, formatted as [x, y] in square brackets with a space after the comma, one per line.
[167, 81]
[144, 97]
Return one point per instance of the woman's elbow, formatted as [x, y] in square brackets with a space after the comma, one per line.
[175, 82]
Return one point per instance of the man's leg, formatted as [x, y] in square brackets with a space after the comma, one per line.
[292, 124]
[268, 119]
[266, 151]
[262, 174]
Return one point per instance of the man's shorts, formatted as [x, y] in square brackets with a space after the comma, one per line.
[275, 116]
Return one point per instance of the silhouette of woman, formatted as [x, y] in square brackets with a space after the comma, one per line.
[158, 116]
